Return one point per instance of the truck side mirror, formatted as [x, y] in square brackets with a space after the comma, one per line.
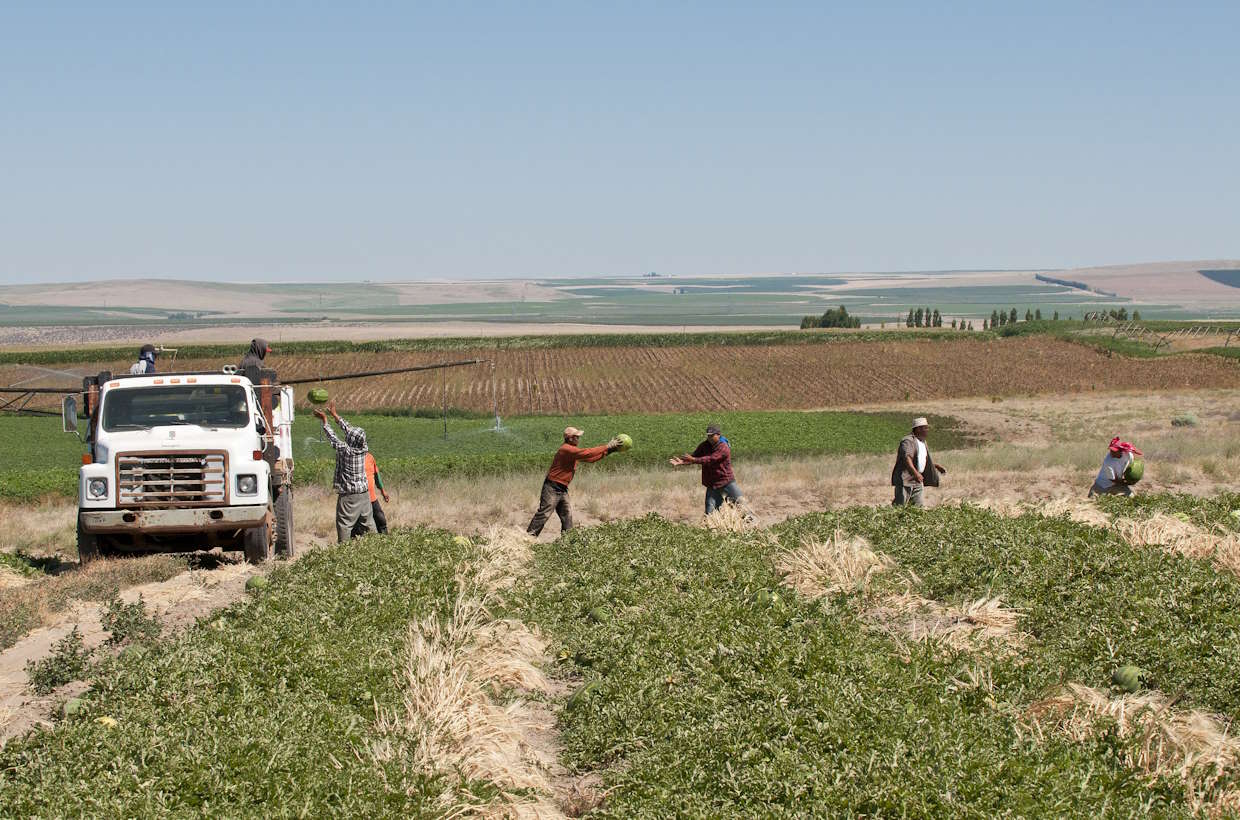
[68, 415]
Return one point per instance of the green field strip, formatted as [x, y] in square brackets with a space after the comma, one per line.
[1207, 512]
[264, 709]
[706, 690]
[1089, 600]
[412, 449]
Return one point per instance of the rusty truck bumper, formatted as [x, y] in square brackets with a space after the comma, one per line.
[196, 519]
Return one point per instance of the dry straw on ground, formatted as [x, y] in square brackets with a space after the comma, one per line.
[1175, 534]
[840, 563]
[1190, 746]
[450, 722]
[846, 563]
[731, 518]
[985, 622]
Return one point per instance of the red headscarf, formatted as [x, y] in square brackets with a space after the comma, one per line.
[1118, 446]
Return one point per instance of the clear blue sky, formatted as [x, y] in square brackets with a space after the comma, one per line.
[392, 140]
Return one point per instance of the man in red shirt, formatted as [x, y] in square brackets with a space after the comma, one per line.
[375, 482]
[715, 456]
[555, 486]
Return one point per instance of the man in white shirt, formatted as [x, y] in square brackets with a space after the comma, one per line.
[915, 468]
[146, 362]
[1115, 464]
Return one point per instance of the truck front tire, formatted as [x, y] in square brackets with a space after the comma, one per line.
[258, 543]
[87, 545]
[286, 547]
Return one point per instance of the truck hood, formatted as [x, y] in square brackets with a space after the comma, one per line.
[179, 437]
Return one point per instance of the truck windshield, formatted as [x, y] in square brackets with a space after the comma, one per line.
[208, 405]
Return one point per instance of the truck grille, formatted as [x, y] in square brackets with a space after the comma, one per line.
[171, 479]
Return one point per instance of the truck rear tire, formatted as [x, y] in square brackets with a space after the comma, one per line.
[258, 543]
[286, 547]
[87, 545]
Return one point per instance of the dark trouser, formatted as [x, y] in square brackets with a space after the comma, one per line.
[554, 497]
[911, 494]
[376, 513]
[717, 496]
[1116, 488]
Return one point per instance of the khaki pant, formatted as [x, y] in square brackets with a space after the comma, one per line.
[554, 498]
[353, 509]
[910, 494]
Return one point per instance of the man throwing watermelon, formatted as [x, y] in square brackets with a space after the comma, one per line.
[555, 486]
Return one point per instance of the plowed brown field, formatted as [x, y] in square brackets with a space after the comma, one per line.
[636, 379]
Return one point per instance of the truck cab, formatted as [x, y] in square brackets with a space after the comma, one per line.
[186, 461]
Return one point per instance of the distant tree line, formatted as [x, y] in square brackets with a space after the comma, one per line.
[833, 317]
[926, 317]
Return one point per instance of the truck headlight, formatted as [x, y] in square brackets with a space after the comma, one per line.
[247, 484]
[97, 488]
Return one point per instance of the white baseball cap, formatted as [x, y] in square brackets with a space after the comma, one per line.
[573, 431]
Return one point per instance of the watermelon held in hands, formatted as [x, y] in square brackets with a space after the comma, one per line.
[318, 396]
[625, 440]
[1135, 471]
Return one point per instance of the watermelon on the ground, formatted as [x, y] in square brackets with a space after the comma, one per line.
[1128, 678]
[256, 583]
[71, 707]
[1135, 471]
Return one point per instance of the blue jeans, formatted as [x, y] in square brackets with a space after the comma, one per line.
[715, 496]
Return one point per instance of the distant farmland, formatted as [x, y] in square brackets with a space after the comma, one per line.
[630, 378]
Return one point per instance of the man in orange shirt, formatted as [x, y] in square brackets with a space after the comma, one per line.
[555, 486]
[374, 481]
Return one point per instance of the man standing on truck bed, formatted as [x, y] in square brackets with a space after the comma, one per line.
[555, 485]
[352, 488]
[146, 361]
[255, 356]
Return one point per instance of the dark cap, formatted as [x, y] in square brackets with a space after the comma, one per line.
[713, 430]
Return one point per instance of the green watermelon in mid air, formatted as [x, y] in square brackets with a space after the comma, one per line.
[318, 396]
[1135, 471]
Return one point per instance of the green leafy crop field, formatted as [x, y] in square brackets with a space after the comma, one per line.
[262, 710]
[709, 690]
[700, 683]
[37, 459]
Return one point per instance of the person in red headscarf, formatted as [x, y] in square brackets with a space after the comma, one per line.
[1110, 480]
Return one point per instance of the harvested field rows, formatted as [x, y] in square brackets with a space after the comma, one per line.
[671, 379]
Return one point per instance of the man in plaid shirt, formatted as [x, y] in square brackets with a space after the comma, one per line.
[350, 483]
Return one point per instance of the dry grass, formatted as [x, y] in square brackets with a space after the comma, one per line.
[10, 579]
[37, 603]
[1190, 746]
[450, 721]
[841, 563]
[984, 623]
[1172, 533]
[39, 528]
[731, 518]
